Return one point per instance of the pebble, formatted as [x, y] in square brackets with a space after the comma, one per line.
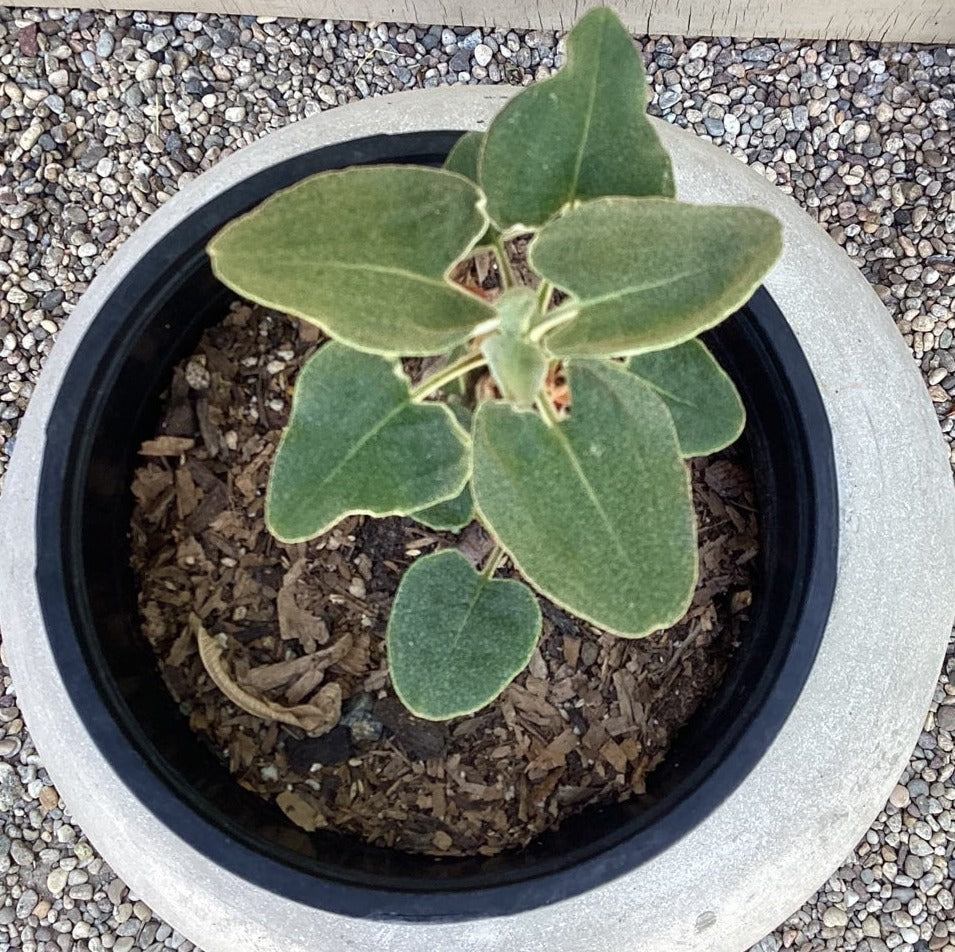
[900, 797]
[26, 903]
[11, 789]
[22, 854]
[114, 111]
[835, 917]
[105, 45]
[945, 717]
[483, 54]
[56, 881]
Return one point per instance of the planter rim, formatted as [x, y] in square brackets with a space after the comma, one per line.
[795, 798]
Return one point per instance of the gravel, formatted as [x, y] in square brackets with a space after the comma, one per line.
[106, 115]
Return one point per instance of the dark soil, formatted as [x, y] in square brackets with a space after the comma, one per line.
[298, 632]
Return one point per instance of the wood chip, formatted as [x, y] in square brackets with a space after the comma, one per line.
[554, 754]
[166, 446]
[614, 755]
[296, 622]
[300, 811]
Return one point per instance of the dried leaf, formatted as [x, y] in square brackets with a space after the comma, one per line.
[300, 689]
[294, 621]
[266, 677]
[317, 717]
[358, 657]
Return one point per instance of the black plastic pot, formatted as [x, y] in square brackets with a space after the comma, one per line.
[108, 403]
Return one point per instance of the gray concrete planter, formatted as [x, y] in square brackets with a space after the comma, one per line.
[774, 837]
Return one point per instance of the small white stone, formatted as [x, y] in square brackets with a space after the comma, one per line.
[483, 54]
[835, 918]
[29, 138]
[899, 797]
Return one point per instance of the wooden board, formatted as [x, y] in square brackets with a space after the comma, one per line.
[916, 21]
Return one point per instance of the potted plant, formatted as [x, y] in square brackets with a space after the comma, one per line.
[233, 874]
[592, 504]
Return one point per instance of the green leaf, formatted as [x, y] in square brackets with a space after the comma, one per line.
[463, 159]
[517, 364]
[648, 273]
[455, 638]
[595, 510]
[365, 254]
[356, 443]
[448, 516]
[456, 513]
[706, 409]
[581, 134]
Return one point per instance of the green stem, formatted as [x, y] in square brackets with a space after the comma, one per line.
[560, 315]
[547, 409]
[442, 377]
[494, 559]
[544, 293]
[503, 264]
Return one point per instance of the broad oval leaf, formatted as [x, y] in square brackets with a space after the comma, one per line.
[455, 638]
[363, 253]
[595, 510]
[648, 273]
[706, 409]
[578, 135]
[456, 513]
[356, 443]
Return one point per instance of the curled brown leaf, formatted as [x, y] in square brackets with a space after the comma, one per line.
[316, 717]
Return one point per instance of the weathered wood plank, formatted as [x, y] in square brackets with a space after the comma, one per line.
[916, 21]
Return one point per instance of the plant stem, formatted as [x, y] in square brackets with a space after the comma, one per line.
[560, 315]
[494, 559]
[444, 376]
[503, 264]
[544, 294]
[546, 409]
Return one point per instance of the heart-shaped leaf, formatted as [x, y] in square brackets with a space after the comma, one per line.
[455, 638]
[364, 254]
[648, 273]
[706, 409]
[594, 510]
[356, 443]
[456, 513]
[581, 134]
